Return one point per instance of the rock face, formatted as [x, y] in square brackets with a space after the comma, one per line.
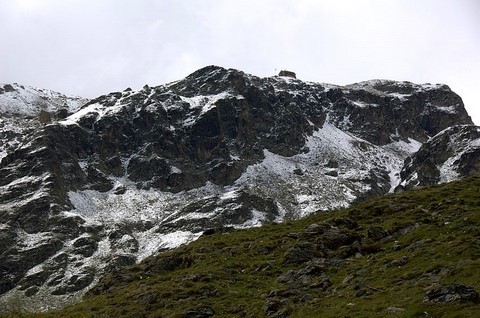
[449, 155]
[453, 293]
[132, 173]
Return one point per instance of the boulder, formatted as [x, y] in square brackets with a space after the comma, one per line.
[376, 233]
[199, 312]
[453, 293]
[301, 252]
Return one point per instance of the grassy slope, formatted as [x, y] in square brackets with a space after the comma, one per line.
[236, 273]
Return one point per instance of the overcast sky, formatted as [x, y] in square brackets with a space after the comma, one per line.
[93, 47]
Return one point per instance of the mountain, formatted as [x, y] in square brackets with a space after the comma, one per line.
[133, 173]
[23, 109]
[410, 254]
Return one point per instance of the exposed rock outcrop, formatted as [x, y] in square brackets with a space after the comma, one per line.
[451, 154]
[453, 293]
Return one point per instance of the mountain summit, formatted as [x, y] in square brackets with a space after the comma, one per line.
[132, 173]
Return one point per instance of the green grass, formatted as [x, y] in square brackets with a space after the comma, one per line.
[235, 273]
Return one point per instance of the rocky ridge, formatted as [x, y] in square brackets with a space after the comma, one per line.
[132, 173]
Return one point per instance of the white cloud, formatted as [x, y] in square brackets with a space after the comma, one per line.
[93, 47]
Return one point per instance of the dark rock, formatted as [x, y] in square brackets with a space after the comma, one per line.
[454, 293]
[287, 277]
[85, 246]
[31, 291]
[366, 248]
[376, 233]
[329, 236]
[36, 279]
[276, 308]
[407, 229]
[314, 230]
[332, 173]
[61, 114]
[99, 181]
[301, 252]
[14, 264]
[400, 262]
[397, 246]
[332, 163]
[298, 172]
[167, 263]
[344, 222]
[313, 268]
[323, 283]
[8, 88]
[120, 261]
[209, 232]
[75, 283]
[199, 312]
[150, 298]
[223, 229]
[336, 237]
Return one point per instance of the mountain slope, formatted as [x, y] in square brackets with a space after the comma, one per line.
[411, 254]
[133, 173]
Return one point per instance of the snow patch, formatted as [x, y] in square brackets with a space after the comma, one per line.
[29, 101]
[448, 109]
[151, 242]
[257, 220]
[229, 195]
[205, 102]
[300, 181]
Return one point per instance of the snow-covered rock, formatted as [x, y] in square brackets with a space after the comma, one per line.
[29, 101]
[24, 109]
[451, 154]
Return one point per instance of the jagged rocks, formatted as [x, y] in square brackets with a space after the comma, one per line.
[401, 108]
[376, 233]
[85, 246]
[330, 237]
[7, 88]
[452, 153]
[276, 308]
[453, 293]
[302, 252]
[199, 312]
[75, 282]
